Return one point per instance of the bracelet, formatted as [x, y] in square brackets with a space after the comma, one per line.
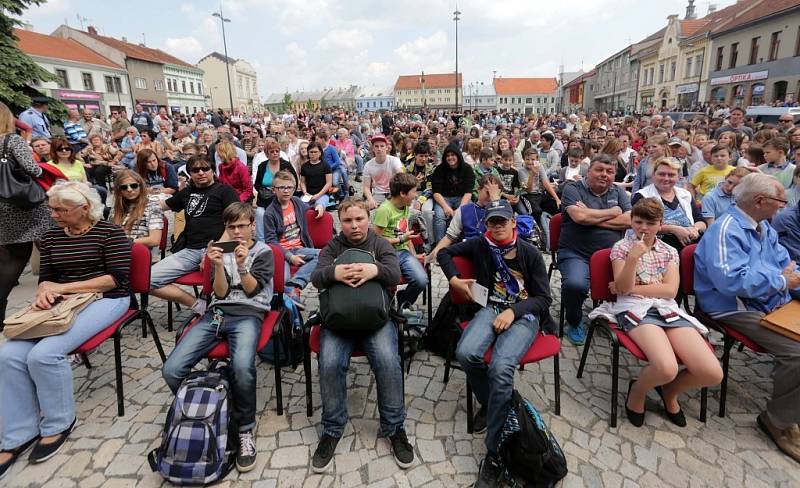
[243, 271]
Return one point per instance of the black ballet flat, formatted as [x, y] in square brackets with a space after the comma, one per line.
[635, 418]
[15, 454]
[677, 418]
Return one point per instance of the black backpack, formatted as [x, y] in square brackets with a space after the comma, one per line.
[441, 329]
[362, 309]
[530, 455]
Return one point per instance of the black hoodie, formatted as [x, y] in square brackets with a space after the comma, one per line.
[452, 182]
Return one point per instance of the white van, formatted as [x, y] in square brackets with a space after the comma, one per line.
[770, 115]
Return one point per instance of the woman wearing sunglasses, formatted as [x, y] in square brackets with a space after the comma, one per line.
[64, 158]
[139, 215]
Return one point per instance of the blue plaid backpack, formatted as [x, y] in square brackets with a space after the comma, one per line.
[194, 449]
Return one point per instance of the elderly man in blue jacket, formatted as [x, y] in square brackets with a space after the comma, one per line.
[741, 274]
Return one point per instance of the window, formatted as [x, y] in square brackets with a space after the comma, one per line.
[191, 87]
[734, 55]
[140, 83]
[754, 50]
[552, 99]
[673, 67]
[117, 84]
[774, 45]
[698, 64]
[109, 84]
[199, 88]
[529, 100]
[661, 73]
[797, 43]
[183, 85]
[61, 78]
[720, 55]
[169, 84]
[88, 82]
[158, 85]
[687, 72]
[652, 74]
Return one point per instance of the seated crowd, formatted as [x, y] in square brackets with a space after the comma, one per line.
[435, 200]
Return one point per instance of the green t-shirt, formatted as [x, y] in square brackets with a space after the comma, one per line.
[394, 222]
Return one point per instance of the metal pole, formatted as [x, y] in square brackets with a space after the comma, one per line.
[222, 20]
[456, 19]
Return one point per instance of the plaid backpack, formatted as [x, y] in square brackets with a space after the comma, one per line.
[194, 449]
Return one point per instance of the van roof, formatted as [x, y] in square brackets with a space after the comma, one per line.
[762, 110]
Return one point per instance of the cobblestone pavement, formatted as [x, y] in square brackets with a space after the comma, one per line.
[108, 451]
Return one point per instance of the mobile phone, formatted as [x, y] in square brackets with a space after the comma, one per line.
[227, 246]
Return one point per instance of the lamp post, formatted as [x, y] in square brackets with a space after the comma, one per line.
[456, 18]
[222, 21]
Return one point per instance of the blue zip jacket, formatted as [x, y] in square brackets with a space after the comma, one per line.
[787, 225]
[738, 270]
[331, 156]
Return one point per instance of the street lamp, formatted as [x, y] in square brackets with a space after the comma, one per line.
[456, 18]
[222, 21]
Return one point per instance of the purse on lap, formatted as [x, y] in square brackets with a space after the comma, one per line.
[30, 323]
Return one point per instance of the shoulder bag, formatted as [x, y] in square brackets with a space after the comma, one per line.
[17, 187]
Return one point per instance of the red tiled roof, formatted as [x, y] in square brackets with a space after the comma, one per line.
[689, 27]
[758, 10]
[140, 52]
[35, 44]
[522, 86]
[412, 82]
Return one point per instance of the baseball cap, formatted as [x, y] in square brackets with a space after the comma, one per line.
[499, 208]
[674, 141]
[379, 138]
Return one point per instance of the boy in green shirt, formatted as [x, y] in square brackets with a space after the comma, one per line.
[392, 222]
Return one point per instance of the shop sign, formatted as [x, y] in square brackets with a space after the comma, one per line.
[77, 95]
[690, 88]
[756, 75]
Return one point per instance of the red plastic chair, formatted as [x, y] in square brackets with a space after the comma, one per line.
[273, 325]
[162, 246]
[140, 283]
[194, 279]
[730, 335]
[601, 274]
[320, 229]
[555, 234]
[544, 345]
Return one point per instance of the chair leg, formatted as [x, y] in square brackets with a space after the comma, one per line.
[586, 345]
[614, 383]
[85, 359]
[703, 404]
[557, 382]
[144, 328]
[449, 356]
[550, 271]
[118, 370]
[726, 356]
[561, 320]
[430, 296]
[169, 316]
[470, 414]
[307, 371]
[156, 339]
[741, 346]
[276, 352]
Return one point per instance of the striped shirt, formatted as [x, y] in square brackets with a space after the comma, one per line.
[74, 132]
[104, 250]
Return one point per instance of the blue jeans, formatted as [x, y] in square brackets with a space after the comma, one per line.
[324, 200]
[494, 383]
[574, 284]
[36, 379]
[174, 266]
[440, 219]
[242, 333]
[380, 348]
[303, 275]
[342, 180]
[260, 223]
[359, 165]
[415, 275]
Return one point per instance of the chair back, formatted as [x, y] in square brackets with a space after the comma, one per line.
[162, 246]
[320, 229]
[208, 286]
[467, 271]
[140, 268]
[687, 269]
[555, 232]
[600, 275]
[278, 280]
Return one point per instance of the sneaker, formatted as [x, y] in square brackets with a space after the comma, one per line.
[402, 449]
[323, 455]
[246, 456]
[787, 440]
[577, 334]
[490, 471]
[358, 178]
[479, 423]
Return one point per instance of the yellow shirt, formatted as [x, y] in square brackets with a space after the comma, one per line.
[707, 178]
[73, 172]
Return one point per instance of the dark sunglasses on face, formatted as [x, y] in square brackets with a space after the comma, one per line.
[60, 149]
[200, 169]
[132, 186]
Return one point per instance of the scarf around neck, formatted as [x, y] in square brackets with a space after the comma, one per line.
[498, 250]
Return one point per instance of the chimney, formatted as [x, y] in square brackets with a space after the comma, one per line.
[690, 12]
[124, 39]
[92, 30]
[712, 7]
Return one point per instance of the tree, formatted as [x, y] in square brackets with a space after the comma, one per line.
[310, 104]
[287, 102]
[18, 72]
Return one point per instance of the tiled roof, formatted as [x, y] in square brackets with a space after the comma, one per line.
[218, 56]
[136, 51]
[522, 86]
[689, 27]
[758, 10]
[412, 82]
[35, 44]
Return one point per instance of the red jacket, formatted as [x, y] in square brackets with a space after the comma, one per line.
[236, 175]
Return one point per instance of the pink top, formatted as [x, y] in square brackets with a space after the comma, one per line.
[235, 174]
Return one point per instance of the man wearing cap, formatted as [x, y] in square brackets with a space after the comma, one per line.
[378, 172]
[681, 151]
[37, 119]
[518, 303]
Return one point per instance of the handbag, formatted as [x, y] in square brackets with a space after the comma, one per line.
[17, 187]
[31, 323]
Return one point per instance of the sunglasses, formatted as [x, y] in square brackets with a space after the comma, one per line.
[64, 149]
[789, 121]
[132, 186]
[200, 169]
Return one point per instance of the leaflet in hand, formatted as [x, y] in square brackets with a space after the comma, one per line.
[480, 294]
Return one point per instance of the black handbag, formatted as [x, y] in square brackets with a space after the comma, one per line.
[16, 186]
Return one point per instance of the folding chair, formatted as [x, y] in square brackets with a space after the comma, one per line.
[555, 234]
[544, 345]
[730, 336]
[140, 283]
[162, 246]
[273, 325]
[601, 274]
[194, 279]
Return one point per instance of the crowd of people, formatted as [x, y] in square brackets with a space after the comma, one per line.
[435, 186]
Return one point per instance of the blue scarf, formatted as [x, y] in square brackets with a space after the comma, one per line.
[498, 250]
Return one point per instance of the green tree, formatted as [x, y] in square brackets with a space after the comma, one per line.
[287, 102]
[18, 72]
[310, 104]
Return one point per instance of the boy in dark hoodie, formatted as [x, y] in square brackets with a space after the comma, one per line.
[452, 182]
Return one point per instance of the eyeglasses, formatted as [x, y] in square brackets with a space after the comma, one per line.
[787, 121]
[780, 200]
[64, 149]
[283, 188]
[200, 169]
[132, 186]
[62, 210]
[247, 132]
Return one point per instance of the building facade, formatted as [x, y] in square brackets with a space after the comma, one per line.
[84, 78]
[576, 93]
[374, 99]
[479, 95]
[185, 93]
[526, 95]
[617, 79]
[243, 83]
[429, 90]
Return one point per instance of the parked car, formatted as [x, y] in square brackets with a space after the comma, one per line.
[770, 115]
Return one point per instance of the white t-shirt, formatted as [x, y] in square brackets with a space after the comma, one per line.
[571, 172]
[381, 173]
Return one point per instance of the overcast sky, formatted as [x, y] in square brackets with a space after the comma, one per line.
[315, 44]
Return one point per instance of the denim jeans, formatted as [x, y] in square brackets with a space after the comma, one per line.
[242, 333]
[342, 180]
[380, 347]
[174, 266]
[359, 165]
[36, 380]
[324, 200]
[440, 219]
[574, 284]
[260, 223]
[303, 275]
[494, 383]
[415, 276]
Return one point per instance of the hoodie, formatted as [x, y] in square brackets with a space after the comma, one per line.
[452, 182]
[385, 258]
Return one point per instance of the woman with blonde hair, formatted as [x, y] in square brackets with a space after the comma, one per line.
[233, 172]
[83, 254]
[136, 211]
